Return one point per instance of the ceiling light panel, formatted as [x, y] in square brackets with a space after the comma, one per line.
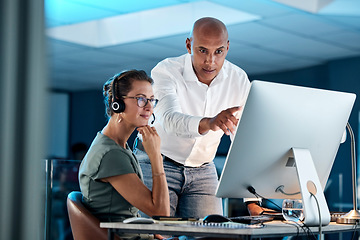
[145, 25]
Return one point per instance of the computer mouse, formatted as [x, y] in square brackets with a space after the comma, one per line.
[215, 218]
[141, 220]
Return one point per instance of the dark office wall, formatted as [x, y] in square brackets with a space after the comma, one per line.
[316, 77]
[344, 75]
[87, 116]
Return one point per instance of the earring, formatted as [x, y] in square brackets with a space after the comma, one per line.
[119, 118]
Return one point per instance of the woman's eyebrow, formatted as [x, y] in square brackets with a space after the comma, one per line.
[143, 95]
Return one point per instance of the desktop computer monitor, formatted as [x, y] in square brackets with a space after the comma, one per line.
[286, 139]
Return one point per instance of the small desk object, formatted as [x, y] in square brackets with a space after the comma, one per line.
[243, 231]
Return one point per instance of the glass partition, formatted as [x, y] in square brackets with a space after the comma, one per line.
[61, 179]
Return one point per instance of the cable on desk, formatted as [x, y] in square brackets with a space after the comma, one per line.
[307, 230]
[252, 190]
[318, 207]
[296, 225]
[355, 227]
[308, 233]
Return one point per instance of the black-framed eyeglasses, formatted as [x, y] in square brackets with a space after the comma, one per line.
[142, 101]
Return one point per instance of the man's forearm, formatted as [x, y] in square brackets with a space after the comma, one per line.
[204, 125]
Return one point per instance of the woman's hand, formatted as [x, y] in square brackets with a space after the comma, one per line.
[254, 209]
[150, 140]
[159, 193]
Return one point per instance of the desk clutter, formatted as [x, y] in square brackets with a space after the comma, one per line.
[214, 221]
[226, 230]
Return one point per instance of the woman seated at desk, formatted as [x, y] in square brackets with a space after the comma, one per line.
[110, 176]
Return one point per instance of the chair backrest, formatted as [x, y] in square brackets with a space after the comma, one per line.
[84, 225]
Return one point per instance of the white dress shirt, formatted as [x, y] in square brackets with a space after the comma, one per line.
[184, 101]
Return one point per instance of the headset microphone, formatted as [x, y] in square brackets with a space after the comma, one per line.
[152, 122]
[251, 190]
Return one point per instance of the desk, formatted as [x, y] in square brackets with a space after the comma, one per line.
[271, 229]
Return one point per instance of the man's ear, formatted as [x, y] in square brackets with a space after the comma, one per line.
[188, 45]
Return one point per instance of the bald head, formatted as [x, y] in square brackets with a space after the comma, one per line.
[209, 27]
[208, 45]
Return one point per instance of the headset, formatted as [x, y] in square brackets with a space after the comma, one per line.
[117, 105]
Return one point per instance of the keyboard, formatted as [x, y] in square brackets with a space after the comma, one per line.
[232, 225]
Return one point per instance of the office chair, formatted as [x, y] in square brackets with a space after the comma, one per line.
[84, 225]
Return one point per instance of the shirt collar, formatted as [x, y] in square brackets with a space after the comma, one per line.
[189, 73]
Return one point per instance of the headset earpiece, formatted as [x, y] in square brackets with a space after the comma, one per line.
[118, 104]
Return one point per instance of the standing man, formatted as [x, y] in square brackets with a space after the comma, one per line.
[200, 98]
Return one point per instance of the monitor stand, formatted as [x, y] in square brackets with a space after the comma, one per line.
[310, 184]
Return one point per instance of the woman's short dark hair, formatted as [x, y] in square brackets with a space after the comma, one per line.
[122, 86]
